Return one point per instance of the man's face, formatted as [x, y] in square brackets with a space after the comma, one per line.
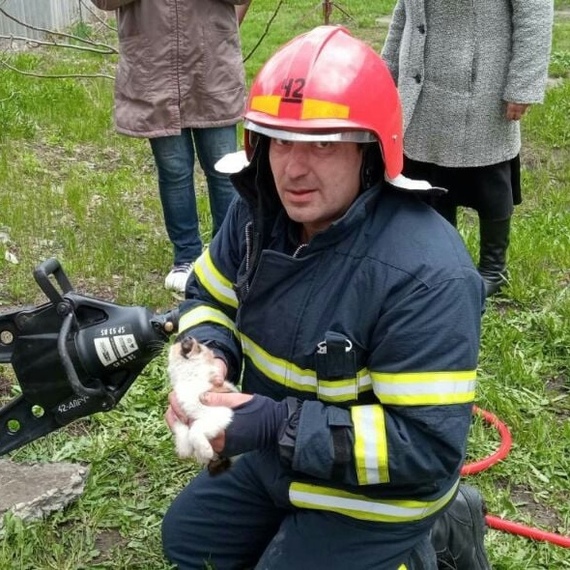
[316, 181]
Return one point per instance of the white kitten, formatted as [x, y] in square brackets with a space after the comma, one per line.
[191, 368]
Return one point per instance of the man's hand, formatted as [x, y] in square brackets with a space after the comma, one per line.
[516, 110]
[174, 413]
[255, 424]
[230, 400]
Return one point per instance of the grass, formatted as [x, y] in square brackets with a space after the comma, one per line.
[71, 188]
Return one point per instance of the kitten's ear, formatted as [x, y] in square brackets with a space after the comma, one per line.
[187, 345]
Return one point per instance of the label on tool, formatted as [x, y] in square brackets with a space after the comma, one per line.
[116, 349]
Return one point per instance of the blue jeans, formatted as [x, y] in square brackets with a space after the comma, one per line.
[174, 158]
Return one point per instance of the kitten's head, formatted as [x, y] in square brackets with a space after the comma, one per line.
[190, 360]
[189, 349]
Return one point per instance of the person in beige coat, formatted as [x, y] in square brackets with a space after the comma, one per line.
[180, 82]
[467, 70]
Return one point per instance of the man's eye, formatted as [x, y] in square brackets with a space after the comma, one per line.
[322, 144]
[281, 142]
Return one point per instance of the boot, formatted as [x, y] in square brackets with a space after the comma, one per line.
[493, 244]
[458, 535]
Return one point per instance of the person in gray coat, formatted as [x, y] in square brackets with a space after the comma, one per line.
[467, 71]
[180, 82]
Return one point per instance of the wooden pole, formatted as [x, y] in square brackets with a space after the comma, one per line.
[327, 9]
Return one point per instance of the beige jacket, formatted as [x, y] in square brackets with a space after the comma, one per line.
[180, 65]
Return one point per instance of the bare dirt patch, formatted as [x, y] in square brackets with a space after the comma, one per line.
[542, 516]
[105, 543]
[559, 388]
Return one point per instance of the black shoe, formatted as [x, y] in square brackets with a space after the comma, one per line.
[458, 535]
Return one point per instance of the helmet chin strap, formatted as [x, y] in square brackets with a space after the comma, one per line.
[372, 167]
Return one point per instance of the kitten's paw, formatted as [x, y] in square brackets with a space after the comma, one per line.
[204, 453]
[183, 441]
[184, 449]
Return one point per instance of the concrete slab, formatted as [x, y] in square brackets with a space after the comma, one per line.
[33, 490]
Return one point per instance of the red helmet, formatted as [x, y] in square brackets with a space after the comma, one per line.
[327, 84]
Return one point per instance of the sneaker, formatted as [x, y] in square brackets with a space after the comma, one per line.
[458, 535]
[176, 279]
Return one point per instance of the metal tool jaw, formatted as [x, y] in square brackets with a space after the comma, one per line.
[73, 356]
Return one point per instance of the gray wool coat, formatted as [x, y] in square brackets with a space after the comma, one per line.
[456, 63]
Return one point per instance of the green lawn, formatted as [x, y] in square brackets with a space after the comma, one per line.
[72, 188]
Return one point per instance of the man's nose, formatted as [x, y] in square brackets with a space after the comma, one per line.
[298, 160]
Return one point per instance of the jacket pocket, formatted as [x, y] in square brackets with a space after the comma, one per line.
[133, 79]
[224, 70]
[336, 368]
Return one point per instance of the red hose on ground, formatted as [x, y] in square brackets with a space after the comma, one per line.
[478, 466]
[522, 530]
[501, 453]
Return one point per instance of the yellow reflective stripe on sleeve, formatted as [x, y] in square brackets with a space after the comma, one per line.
[214, 282]
[303, 379]
[204, 314]
[344, 390]
[402, 567]
[370, 445]
[307, 496]
[425, 388]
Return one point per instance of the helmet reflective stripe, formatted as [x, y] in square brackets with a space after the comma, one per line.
[310, 108]
[314, 136]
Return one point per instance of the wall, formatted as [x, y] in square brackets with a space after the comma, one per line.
[48, 14]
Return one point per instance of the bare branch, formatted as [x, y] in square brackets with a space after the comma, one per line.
[97, 16]
[55, 76]
[107, 51]
[265, 31]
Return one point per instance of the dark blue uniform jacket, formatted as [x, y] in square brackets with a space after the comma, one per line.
[374, 325]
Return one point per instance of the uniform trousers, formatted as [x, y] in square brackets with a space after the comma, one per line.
[243, 519]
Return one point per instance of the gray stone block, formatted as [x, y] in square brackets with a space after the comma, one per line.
[33, 490]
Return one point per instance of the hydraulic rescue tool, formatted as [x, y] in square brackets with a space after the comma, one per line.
[73, 356]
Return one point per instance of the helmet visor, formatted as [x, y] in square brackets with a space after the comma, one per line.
[313, 136]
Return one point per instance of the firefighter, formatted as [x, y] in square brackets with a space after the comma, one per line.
[349, 312]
